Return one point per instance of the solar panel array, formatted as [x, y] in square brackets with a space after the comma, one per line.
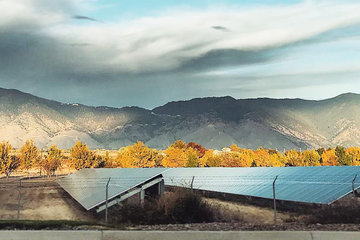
[322, 185]
[88, 186]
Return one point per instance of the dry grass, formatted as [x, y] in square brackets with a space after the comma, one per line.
[235, 212]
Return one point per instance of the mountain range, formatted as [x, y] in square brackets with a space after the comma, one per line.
[214, 122]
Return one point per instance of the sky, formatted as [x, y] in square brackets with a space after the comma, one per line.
[149, 52]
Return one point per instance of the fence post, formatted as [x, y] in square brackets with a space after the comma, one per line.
[106, 203]
[353, 185]
[19, 200]
[274, 197]
[192, 183]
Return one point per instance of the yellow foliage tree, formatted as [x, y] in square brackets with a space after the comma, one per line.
[8, 163]
[261, 158]
[81, 156]
[179, 144]
[192, 158]
[276, 159]
[329, 158]
[137, 155]
[210, 159]
[174, 157]
[293, 158]
[311, 158]
[52, 161]
[354, 154]
[29, 156]
[239, 158]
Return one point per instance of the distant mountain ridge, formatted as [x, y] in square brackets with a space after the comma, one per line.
[214, 122]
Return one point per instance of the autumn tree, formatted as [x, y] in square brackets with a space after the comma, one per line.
[343, 158]
[81, 156]
[52, 160]
[200, 150]
[261, 158]
[137, 155]
[211, 159]
[178, 144]
[175, 155]
[310, 158]
[329, 158]
[241, 158]
[293, 158]
[192, 156]
[354, 154]
[29, 155]
[8, 163]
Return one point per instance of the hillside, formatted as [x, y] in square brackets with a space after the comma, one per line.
[213, 122]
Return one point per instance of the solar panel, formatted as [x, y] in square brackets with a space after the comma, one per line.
[322, 185]
[88, 186]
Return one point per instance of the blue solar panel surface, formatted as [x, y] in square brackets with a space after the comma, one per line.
[322, 185]
[88, 186]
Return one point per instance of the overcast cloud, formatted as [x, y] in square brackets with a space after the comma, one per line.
[51, 49]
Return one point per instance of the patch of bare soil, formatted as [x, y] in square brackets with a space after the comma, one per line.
[40, 199]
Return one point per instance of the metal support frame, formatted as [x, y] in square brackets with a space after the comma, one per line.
[106, 203]
[192, 183]
[19, 200]
[142, 197]
[274, 197]
[161, 187]
[353, 185]
[130, 193]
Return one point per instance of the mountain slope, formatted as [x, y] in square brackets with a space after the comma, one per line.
[212, 122]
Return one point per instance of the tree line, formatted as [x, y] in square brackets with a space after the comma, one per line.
[178, 154]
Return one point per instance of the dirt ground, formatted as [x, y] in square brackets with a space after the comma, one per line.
[41, 199]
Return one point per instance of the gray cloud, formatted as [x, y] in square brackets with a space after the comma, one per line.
[79, 17]
[221, 28]
[149, 62]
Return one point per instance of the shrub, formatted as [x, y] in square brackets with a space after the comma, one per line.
[344, 211]
[180, 206]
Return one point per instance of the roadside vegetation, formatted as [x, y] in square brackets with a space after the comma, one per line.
[178, 154]
[45, 224]
[180, 206]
